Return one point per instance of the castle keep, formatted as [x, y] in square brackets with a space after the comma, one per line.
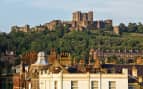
[80, 21]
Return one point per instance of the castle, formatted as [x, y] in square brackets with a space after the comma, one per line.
[80, 21]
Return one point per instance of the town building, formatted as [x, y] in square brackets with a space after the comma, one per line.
[55, 76]
[127, 56]
[135, 73]
[52, 73]
[49, 80]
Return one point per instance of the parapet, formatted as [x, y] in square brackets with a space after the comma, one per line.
[43, 72]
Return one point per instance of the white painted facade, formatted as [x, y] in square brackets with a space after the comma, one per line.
[83, 80]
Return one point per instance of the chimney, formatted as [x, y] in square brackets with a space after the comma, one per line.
[140, 79]
[125, 71]
[134, 71]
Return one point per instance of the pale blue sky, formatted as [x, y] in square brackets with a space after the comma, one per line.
[35, 12]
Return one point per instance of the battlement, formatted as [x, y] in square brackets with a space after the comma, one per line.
[45, 73]
[79, 16]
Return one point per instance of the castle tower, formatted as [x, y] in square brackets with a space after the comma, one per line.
[77, 16]
[108, 21]
[84, 17]
[116, 30]
[90, 16]
[81, 20]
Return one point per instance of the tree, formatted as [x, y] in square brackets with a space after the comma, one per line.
[108, 27]
[132, 27]
[36, 46]
[123, 27]
[140, 28]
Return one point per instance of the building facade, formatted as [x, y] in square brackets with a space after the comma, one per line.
[48, 80]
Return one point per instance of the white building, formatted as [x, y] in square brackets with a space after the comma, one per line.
[48, 80]
[55, 76]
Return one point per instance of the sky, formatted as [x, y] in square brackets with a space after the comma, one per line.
[36, 12]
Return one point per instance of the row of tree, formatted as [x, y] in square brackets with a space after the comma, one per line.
[131, 27]
[78, 43]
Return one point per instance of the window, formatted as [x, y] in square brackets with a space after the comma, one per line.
[74, 84]
[55, 85]
[94, 84]
[131, 87]
[112, 85]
